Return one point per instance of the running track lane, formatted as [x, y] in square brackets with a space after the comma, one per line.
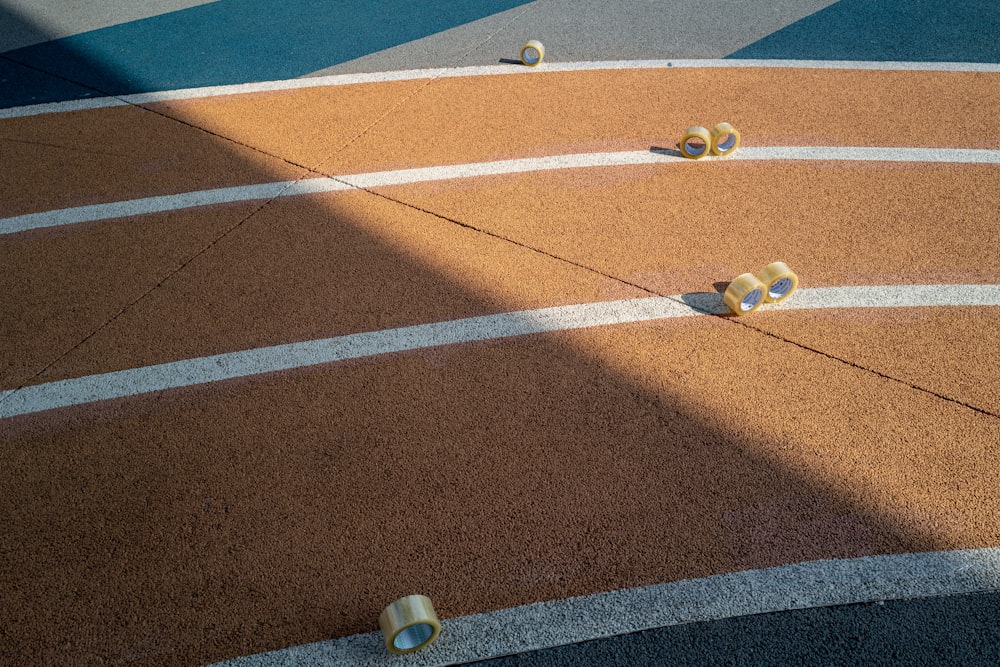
[237, 517]
[837, 223]
[290, 508]
[345, 129]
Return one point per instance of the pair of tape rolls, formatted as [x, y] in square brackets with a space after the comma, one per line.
[698, 142]
[747, 292]
[409, 624]
[532, 53]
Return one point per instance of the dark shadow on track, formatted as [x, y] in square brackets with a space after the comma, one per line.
[706, 302]
[30, 83]
[673, 152]
[17, 31]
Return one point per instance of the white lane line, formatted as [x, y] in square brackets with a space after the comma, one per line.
[242, 193]
[165, 203]
[480, 70]
[232, 365]
[570, 621]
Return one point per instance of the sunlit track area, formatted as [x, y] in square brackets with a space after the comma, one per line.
[296, 328]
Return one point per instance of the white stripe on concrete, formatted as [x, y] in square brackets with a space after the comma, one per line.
[69, 216]
[480, 70]
[228, 366]
[561, 622]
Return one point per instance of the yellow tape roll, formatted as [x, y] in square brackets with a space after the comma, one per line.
[725, 139]
[780, 281]
[532, 53]
[696, 142]
[745, 294]
[409, 624]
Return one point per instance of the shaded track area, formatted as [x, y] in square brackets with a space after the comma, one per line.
[202, 523]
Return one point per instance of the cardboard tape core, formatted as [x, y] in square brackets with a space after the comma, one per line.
[413, 637]
[532, 53]
[696, 142]
[409, 624]
[780, 281]
[745, 294]
[725, 139]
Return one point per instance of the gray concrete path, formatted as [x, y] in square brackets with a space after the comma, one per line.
[29, 22]
[589, 31]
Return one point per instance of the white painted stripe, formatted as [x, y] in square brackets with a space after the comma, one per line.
[561, 622]
[865, 154]
[68, 216]
[480, 70]
[164, 203]
[62, 107]
[228, 366]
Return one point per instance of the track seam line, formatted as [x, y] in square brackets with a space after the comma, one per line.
[259, 361]
[76, 149]
[866, 369]
[308, 170]
[348, 143]
[184, 264]
[61, 78]
[732, 319]
[406, 99]
[170, 274]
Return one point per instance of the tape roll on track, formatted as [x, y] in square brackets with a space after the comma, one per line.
[409, 624]
[745, 294]
[696, 142]
[725, 139]
[532, 53]
[780, 281]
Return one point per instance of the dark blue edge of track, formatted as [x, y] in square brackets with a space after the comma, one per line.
[241, 41]
[946, 630]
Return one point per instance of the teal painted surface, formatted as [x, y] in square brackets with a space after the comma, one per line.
[889, 30]
[230, 41]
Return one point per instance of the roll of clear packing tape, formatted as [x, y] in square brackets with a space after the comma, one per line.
[780, 281]
[532, 53]
[745, 294]
[409, 624]
[696, 142]
[725, 139]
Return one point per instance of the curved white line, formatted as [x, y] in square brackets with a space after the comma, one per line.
[560, 622]
[473, 71]
[121, 209]
[231, 365]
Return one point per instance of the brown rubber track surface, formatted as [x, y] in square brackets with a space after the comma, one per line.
[199, 524]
